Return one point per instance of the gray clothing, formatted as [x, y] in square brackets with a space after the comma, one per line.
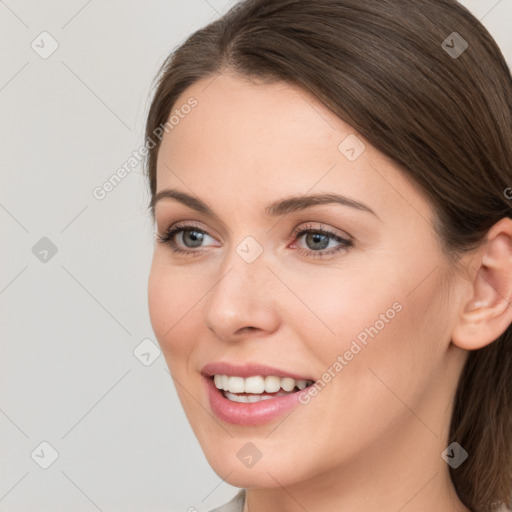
[235, 505]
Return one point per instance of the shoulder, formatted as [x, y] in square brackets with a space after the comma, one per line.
[235, 505]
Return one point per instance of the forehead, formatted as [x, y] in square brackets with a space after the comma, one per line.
[263, 130]
[271, 141]
[233, 114]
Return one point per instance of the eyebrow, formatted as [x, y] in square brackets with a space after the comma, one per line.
[277, 208]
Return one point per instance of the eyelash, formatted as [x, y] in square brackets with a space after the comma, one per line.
[168, 239]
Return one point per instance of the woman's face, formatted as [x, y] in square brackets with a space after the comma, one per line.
[369, 320]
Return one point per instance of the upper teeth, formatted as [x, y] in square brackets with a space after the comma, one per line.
[257, 384]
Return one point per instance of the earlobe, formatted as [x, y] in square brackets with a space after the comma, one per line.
[487, 312]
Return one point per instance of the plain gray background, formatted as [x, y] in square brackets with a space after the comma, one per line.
[75, 322]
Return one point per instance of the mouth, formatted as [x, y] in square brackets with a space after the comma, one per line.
[252, 394]
[257, 388]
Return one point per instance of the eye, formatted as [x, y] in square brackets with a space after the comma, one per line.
[318, 239]
[191, 236]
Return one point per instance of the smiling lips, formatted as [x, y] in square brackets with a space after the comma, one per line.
[251, 394]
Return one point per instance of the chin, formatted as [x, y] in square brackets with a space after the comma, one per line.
[231, 461]
[259, 476]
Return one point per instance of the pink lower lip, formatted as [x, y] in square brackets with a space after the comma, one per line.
[244, 414]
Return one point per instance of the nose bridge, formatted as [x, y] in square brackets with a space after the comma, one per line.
[245, 264]
[240, 295]
[239, 277]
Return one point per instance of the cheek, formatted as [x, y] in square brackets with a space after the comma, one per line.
[336, 305]
[388, 314]
[405, 345]
[171, 311]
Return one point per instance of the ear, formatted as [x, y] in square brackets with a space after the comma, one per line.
[487, 310]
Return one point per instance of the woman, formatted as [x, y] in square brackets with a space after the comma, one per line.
[332, 282]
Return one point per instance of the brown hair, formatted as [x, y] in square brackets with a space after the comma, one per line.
[444, 118]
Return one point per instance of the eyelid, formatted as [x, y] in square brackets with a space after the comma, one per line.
[318, 226]
[186, 224]
[166, 216]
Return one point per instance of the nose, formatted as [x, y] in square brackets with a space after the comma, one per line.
[241, 302]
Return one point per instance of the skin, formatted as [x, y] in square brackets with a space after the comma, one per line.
[373, 436]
